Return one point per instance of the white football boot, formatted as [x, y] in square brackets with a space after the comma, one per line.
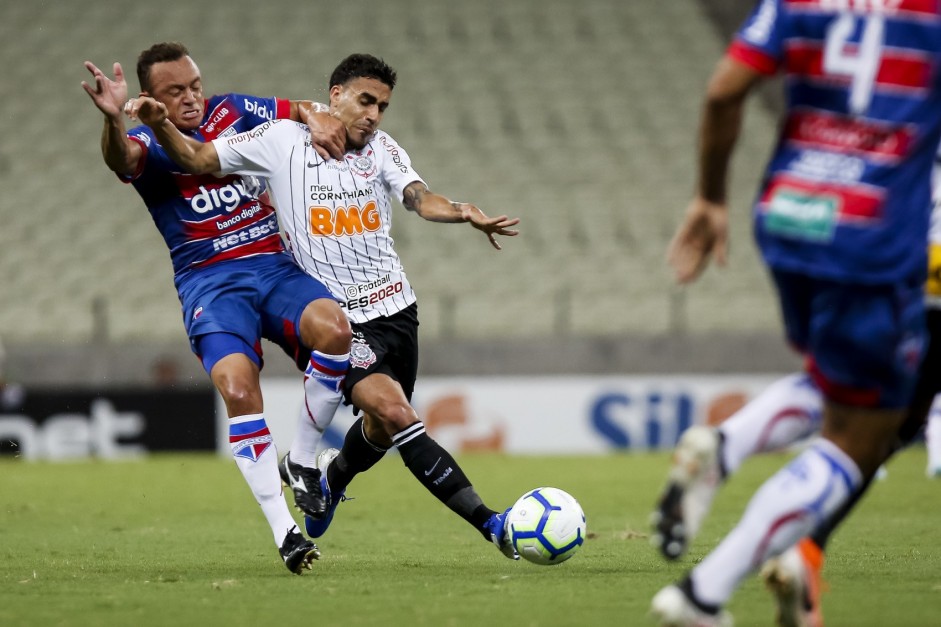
[691, 486]
[671, 608]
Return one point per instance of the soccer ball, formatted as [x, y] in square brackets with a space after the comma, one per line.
[546, 526]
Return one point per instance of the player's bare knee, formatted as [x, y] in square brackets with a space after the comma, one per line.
[337, 337]
[324, 327]
[396, 416]
[241, 396]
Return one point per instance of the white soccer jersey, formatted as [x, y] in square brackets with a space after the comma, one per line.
[335, 215]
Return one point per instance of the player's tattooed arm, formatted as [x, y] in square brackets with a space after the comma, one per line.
[412, 196]
[436, 208]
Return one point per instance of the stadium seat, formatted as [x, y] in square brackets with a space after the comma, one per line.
[579, 118]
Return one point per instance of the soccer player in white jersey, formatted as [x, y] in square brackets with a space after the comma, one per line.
[336, 215]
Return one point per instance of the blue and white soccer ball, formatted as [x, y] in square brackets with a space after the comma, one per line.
[546, 526]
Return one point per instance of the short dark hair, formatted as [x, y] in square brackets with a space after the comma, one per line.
[362, 66]
[158, 53]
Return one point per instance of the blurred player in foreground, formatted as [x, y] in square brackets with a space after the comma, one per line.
[789, 411]
[337, 215]
[933, 430]
[841, 221]
[234, 279]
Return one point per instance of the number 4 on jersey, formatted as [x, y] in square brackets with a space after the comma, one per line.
[857, 62]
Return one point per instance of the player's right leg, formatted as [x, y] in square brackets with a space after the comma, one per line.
[235, 375]
[224, 327]
[786, 412]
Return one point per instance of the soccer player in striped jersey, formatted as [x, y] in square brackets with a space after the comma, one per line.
[933, 430]
[336, 215]
[235, 281]
[789, 411]
[841, 221]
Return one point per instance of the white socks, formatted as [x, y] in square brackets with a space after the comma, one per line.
[256, 456]
[786, 508]
[789, 410]
[323, 390]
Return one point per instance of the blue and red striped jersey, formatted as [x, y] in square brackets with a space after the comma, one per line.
[205, 219]
[846, 194]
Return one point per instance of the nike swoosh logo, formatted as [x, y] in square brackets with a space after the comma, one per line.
[314, 165]
[428, 472]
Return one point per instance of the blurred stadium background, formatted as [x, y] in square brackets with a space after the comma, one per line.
[578, 117]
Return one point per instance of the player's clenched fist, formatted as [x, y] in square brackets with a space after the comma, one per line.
[146, 109]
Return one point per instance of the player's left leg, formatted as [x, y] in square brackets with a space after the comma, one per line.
[338, 468]
[382, 397]
[326, 330]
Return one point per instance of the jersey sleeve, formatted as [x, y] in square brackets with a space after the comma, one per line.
[144, 143]
[258, 110]
[153, 155]
[759, 43]
[395, 165]
[260, 151]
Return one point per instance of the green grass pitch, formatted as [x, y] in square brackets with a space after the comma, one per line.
[178, 540]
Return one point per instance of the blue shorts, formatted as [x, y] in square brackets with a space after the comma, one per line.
[864, 343]
[254, 298]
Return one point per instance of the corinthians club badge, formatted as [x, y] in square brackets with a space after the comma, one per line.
[362, 164]
[361, 355]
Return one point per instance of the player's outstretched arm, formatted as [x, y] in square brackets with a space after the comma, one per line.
[703, 234]
[120, 154]
[193, 155]
[437, 208]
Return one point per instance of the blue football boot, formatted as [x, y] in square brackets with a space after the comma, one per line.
[316, 527]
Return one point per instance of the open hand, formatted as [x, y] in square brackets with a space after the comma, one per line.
[703, 234]
[499, 225]
[107, 94]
